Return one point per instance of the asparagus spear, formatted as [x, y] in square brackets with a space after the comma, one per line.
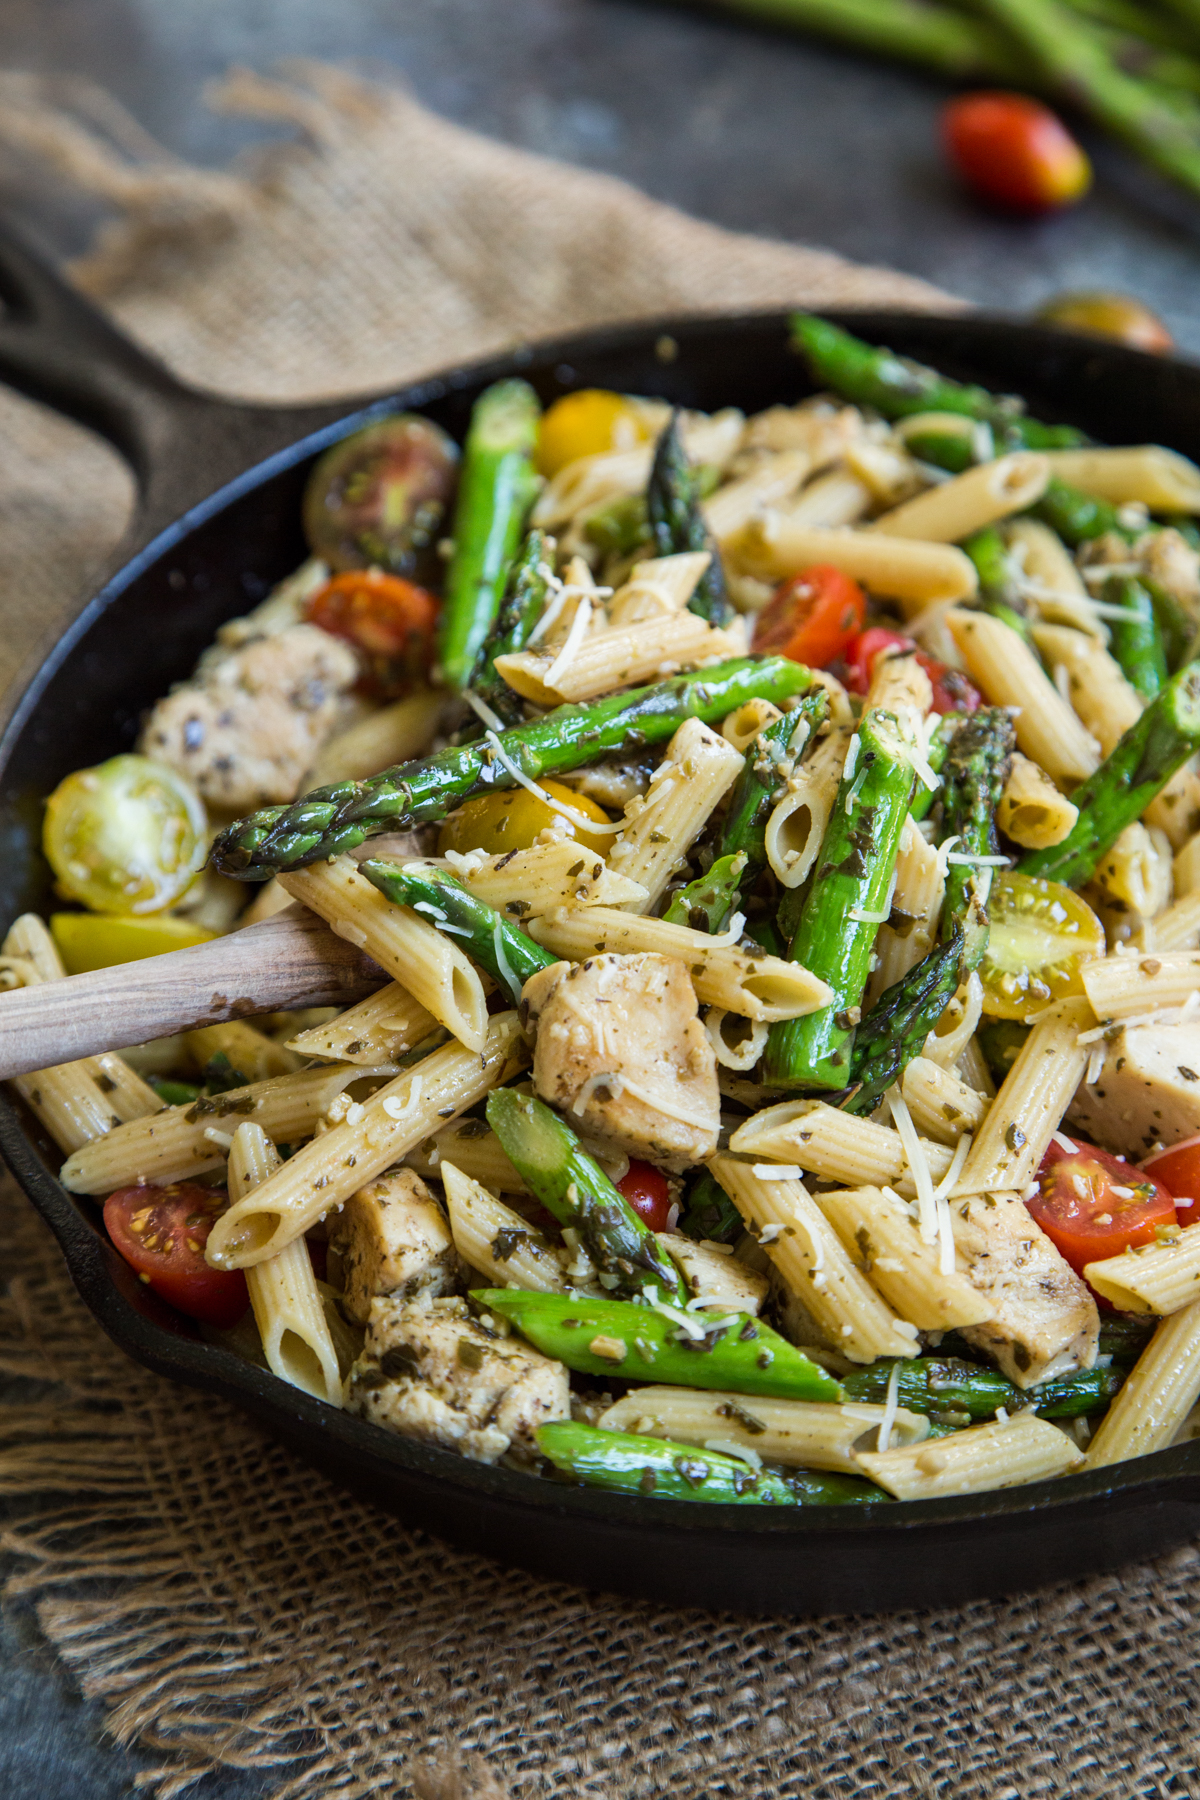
[678, 524]
[998, 593]
[924, 797]
[1176, 626]
[523, 604]
[1124, 1337]
[1140, 765]
[494, 494]
[940, 1385]
[619, 527]
[844, 907]
[333, 819]
[572, 1185]
[1077, 517]
[1134, 640]
[899, 1022]
[623, 1463]
[729, 1351]
[935, 36]
[709, 1213]
[708, 902]
[508, 955]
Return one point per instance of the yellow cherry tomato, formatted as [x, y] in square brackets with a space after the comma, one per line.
[99, 940]
[586, 424]
[1041, 935]
[512, 821]
[1108, 315]
[129, 836]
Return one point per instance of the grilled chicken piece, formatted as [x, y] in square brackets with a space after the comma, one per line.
[393, 1239]
[1046, 1321]
[621, 1051]
[245, 730]
[430, 1371]
[1147, 1093]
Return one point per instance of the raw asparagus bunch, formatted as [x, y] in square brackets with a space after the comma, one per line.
[623, 1463]
[523, 604]
[333, 819]
[508, 955]
[678, 524]
[572, 1185]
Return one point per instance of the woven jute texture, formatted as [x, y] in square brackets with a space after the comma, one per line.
[229, 1607]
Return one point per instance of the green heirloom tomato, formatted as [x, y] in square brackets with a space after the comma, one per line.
[379, 498]
[129, 836]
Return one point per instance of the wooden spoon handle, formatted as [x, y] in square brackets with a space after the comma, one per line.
[290, 960]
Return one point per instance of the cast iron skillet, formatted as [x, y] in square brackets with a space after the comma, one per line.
[219, 522]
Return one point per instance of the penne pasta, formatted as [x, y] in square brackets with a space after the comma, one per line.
[1136, 871]
[620, 656]
[1098, 691]
[742, 727]
[1187, 867]
[1159, 1392]
[698, 771]
[918, 575]
[836, 1146]
[714, 1276]
[771, 482]
[952, 510]
[505, 1249]
[975, 1461]
[1143, 473]
[797, 823]
[249, 1052]
[390, 735]
[899, 684]
[1049, 579]
[839, 497]
[907, 936]
[880, 1232]
[1032, 812]
[797, 1433]
[1009, 673]
[658, 587]
[1025, 1113]
[1162, 1277]
[379, 1030]
[1130, 987]
[1176, 928]
[737, 1042]
[942, 1106]
[471, 1147]
[526, 883]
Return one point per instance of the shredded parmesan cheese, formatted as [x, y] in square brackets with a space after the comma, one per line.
[918, 1163]
[571, 643]
[483, 710]
[891, 1407]
[777, 1171]
[558, 806]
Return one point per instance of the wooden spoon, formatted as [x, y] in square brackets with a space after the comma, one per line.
[288, 961]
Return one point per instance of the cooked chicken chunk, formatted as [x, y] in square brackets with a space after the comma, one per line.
[621, 1050]
[431, 1371]
[1147, 1093]
[245, 730]
[1046, 1321]
[1170, 561]
[393, 1239]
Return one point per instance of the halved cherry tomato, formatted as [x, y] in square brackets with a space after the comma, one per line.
[1091, 1205]
[649, 1194]
[161, 1232]
[1040, 936]
[812, 618]
[99, 941]
[1015, 151]
[587, 423]
[952, 690]
[388, 620]
[377, 499]
[129, 836]
[1178, 1167]
[1108, 315]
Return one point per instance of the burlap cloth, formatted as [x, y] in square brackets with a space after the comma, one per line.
[231, 1609]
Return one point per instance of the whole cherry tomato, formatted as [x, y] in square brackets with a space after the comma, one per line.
[1015, 151]
[1178, 1167]
[649, 1194]
[1093, 1206]
[952, 691]
[161, 1232]
[812, 618]
[390, 622]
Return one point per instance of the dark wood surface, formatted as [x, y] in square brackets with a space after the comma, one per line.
[742, 126]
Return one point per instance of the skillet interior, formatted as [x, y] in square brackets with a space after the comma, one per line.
[145, 630]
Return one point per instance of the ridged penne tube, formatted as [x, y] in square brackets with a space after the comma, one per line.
[1032, 812]
[813, 1265]
[589, 482]
[1008, 672]
[836, 1146]
[1176, 809]
[619, 656]
[1178, 928]
[371, 1137]
[425, 962]
[658, 587]
[942, 1106]
[127, 1094]
[952, 510]
[771, 482]
[1155, 1278]
[899, 684]
[492, 1238]
[890, 473]
[29, 937]
[1187, 868]
[908, 935]
[796, 824]
[378, 1030]
[251, 1053]
[835, 499]
[955, 1031]
[878, 1230]
[178, 1142]
[1158, 478]
[740, 728]
[1032, 1099]
[916, 574]
[288, 1309]
[761, 988]
[1159, 1393]
[975, 1461]
[802, 1434]
[477, 1152]
[524, 883]
[1049, 577]
[1098, 691]
[659, 829]
[1136, 871]
[1129, 987]
[392, 734]
[737, 1042]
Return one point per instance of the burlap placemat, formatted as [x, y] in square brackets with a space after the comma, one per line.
[231, 1609]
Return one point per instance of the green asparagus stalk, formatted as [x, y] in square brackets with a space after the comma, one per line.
[844, 907]
[572, 1185]
[1001, 1041]
[333, 819]
[1134, 640]
[619, 527]
[1139, 767]
[508, 955]
[1124, 1337]
[709, 1213]
[1077, 517]
[938, 1386]
[896, 1027]
[729, 1351]
[999, 594]
[954, 450]
[1177, 627]
[961, 48]
[924, 797]
[678, 524]
[707, 903]
[523, 604]
[494, 494]
[623, 1463]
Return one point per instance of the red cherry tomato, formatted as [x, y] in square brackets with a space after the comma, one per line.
[388, 620]
[1015, 151]
[1094, 1206]
[649, 1194]
[161, 1232]
[952, 691]
[812, 618]
[1178, 1168]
